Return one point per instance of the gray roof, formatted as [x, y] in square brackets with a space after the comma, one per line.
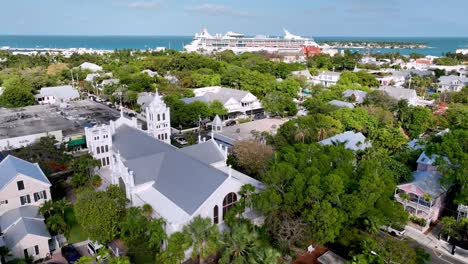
[186, 181]
[66, 92]
[428, 182]
[144, 99]
[341, 103]
[11, 216]
[399, 93]
[110, 81]
[329, 73]
[223, 95]
[12, 166]
[353, 141]
[304, 73]
[330, 258]
[25, 226]
[450, 79]
[206, 152]
[360, 95]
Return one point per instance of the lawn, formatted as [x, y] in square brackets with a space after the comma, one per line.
[76, 233]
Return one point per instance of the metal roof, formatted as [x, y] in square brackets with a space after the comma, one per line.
[11, 216]
[24, 227]
[353, 141]
[222, 94]
[65, 92]
[11, 166]
[183, 179]
[207, 152]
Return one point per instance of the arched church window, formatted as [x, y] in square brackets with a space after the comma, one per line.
[229, 201]
[216, 215]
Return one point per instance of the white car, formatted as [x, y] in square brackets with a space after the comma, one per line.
[93, 247]
[395, 231]
[181, 141]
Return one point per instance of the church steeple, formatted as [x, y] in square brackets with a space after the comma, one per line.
[158, 119]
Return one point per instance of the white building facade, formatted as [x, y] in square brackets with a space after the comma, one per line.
[158, 118]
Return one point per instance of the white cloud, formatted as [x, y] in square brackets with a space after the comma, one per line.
[217, 10]
[145, 5]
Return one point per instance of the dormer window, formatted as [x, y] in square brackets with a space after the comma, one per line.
[20, 185]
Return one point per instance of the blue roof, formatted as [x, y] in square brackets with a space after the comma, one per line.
[11, 166]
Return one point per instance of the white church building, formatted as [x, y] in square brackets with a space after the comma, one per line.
[179, 184]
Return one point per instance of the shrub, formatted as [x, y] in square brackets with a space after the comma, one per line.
[417, 220]
[96, 181]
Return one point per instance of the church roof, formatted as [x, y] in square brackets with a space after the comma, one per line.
[183, 179]
[207, 152]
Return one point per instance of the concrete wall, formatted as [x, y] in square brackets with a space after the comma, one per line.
[23, 141]
[11, 193]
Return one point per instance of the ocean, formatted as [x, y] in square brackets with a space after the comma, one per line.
[436, 45]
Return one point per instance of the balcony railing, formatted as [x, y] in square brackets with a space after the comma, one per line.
[417, 206]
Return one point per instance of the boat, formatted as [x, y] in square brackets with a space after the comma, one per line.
[204, 42]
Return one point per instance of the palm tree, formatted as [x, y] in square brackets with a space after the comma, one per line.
[405, 198]
[204, 237]
[267, 255]
[61, 205]
[4, 252]
[240, 245]
[56, 224]
[301, 134]
[46, 208]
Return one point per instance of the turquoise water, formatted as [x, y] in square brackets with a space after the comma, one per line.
[437, 46]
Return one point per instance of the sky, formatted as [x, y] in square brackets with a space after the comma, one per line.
[412, 18]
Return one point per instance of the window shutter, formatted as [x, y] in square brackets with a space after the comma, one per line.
[29, 198]
[36, 248]
[36, 197]
[23, 200]
[45, 194]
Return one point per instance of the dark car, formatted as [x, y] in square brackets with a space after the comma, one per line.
[231, 123]
[70, 253]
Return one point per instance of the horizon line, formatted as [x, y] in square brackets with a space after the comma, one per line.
[149, 35]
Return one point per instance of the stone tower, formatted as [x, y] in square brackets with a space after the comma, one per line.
[158, 119]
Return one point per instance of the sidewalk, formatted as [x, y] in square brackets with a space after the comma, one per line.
[439, 247]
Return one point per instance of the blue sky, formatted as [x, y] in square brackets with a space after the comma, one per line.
[185, 17]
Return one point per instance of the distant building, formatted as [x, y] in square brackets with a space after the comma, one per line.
[351, 140]
[23, 189]
[304, 73]
[356, 95]
[237, 102]
[401, 94]
[425, 193]
[341, 104]
[57, 95]
[451, 83]
[90, 66]
[150, 72]
[327, 78]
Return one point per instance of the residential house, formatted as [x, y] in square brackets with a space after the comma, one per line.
[24, 188]
[57, 95]
[108, 82]
[150, 72]
[237, 102]
[90, 66]
[401, 94]
[304, 73]
[341, 104]
[327, 78]
[356, 95]
[424, 196]
[351, 140]
[179, 184]
[462, 211]
[451, 83]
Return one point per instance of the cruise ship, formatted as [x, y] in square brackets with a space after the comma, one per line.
[205, 43]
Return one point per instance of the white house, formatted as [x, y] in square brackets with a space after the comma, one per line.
[357, 95]
[23, 188]
[179, 184]
[451, 83]
[341, 104]
[90, 66]
[237, 102]
[304, 73]
[57, 95]
[401, 94]
[327, 78]
[351, 140]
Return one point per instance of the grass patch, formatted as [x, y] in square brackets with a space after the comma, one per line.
[76, 233]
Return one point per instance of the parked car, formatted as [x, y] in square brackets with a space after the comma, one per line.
[393, 230]
[93, 249]
[260, 116]
[231, 123]
[70, 253]
[181, 140]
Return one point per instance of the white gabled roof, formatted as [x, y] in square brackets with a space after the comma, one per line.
[65, 92]
[90, 66]
[353, 141]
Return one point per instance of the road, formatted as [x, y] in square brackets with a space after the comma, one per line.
[438, 256]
